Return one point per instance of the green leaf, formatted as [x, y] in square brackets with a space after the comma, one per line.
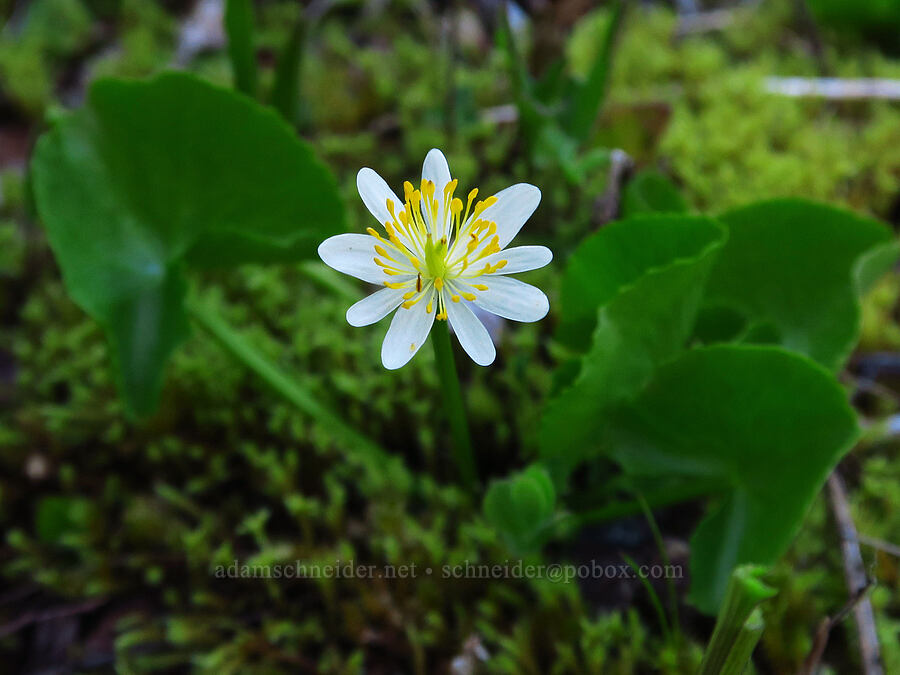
[651, 192]
[239, 26]
[769, 423]
[618, 256]
[150, 177]
[588, 98]
[521, 506]
[531, 117]
[800, 266]
[286, 90]
[646, 275]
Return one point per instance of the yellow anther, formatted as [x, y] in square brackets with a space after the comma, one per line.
[429, 306]
[380, 251]
[492, 230]
[450, 188]
[469, 296]
[438, 283]
[408, 295]
[480, 287]
[500, 264]
[454, 298]
[372, 231]
[472, 194]
[397, 285]
[456, 206]
[407, 304]
[390, 206]
[407, 188]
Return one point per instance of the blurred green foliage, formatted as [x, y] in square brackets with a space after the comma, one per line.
[227, 470]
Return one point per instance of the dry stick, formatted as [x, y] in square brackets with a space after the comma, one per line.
[835, 88]
[824, 630]
[857, 583]
[607, 207]
[880, 545]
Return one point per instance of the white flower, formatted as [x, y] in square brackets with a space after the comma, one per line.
[438, 257]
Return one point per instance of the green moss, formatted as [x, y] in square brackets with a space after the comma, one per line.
[227, 471]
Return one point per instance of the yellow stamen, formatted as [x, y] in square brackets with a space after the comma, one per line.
[480, 287]
[454, 298]
[469, 296]
[438, 283]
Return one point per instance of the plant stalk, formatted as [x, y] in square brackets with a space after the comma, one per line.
[453, 400]
[742, 650]
[745, 591]
[292, 391]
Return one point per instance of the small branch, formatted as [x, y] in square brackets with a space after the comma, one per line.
[29, 618]
[835, 88]
[608, 206]
[857, 581]
[824, 631]
[880, 545]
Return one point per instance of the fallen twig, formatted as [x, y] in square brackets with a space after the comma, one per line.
[857, 581]
[31, 617]
[880, 545]
[835, 88]
[608, 205]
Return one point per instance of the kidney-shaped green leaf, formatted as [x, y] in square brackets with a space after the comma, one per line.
[646, 276]
[797, 266]
[620, 254]
[149, 176]
[769, 423]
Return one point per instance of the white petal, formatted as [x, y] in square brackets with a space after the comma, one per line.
[437, 171]
[353, 254]
[512, 299]
[374, 307]
[472, 334]
[409, 329]
[514, 206]
[520, 259]
[375, 193]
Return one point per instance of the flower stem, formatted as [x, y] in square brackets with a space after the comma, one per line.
[456, 410]
[745, 592]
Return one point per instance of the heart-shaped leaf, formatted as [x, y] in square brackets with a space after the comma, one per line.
[769, 423]
[152, 176]
[800, 266]
[646, 274]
